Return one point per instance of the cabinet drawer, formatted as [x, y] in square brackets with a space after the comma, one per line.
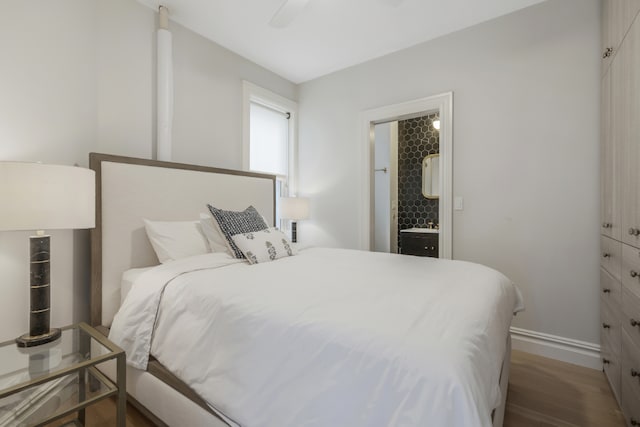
[611, 289]
[611, 256]
[631, 315]
[630, 362]
[631, 269]
[420, 251]
[419, 244]
[611, 367]
[630, 404]
[610, 327]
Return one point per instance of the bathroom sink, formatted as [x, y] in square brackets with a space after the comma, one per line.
[420, 230]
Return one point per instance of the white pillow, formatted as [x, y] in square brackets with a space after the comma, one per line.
[176, 239]
[216, 240]
[264, 246]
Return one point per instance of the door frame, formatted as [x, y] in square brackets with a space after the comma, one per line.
[443, 103]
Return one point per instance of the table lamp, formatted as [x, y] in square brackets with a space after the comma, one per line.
[36, 196]
[294, 208]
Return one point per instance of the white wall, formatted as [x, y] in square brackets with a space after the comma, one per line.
[78, 76]
[526, 126]
[47, 113]
[207, 126]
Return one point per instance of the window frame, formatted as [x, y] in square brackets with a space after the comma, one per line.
[252, 93]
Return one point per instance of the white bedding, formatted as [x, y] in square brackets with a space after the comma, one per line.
[129, 277]
[329, 337]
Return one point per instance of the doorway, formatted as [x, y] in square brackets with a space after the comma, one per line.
[377, 121]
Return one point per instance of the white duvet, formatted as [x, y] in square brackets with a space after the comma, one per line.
[327, 338]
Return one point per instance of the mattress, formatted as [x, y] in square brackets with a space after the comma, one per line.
[328, 337]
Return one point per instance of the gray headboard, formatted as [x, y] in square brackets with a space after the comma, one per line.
[130, 189]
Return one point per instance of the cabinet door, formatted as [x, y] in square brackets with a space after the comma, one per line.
[420, 244]
[606, 25]
[608, 189]
[611, 367]
[617, 16]
[626, 105]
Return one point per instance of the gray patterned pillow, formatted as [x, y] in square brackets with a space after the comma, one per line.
[264, 246]
[232, 223]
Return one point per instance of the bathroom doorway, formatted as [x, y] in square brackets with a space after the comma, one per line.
[418, 169]
[406, 185]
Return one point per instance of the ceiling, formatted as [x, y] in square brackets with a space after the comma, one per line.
[329, 35]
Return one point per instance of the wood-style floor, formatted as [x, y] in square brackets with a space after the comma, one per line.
[546, 392]
[542, 393]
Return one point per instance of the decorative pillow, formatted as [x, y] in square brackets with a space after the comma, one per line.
[217, 241]
[264, 246]
[176, 239]
[231, 223]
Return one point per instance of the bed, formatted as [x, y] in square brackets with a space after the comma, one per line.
[326, 337]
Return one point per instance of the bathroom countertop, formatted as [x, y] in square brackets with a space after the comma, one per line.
[420, 230]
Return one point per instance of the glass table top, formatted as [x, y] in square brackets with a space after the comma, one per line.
[77, 344]
[37, 383]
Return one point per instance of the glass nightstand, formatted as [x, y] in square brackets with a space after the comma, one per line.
[41, 384]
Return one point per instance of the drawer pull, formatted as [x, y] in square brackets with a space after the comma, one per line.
[430, 248]
[606, 255]
[606, 361]
[633, 273]
[634, 322]
[634, 231]
[606, 225]
[635, 373]
[606, 326]
[634, 422]
[607, 53]
[606, 291]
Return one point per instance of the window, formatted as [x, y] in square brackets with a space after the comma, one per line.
[268, 140]
[269, 143]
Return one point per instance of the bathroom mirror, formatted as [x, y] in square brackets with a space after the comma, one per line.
[431, 176]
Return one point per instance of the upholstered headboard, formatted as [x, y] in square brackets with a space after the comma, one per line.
[129, 189]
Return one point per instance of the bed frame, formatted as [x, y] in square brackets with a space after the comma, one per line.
[129, 189]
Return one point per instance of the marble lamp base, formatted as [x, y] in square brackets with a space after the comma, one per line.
[39, 317]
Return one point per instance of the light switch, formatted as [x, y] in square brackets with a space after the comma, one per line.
[458, 204]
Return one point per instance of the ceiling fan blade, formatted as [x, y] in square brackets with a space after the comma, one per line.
[287, 13]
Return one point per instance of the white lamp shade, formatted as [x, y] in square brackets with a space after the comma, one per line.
[35, 196]
[294, 208]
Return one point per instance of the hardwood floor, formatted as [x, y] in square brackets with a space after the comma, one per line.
[542, 393]
[546, 392]
[103, 414]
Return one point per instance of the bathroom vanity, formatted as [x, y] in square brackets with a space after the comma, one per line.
[420, 242]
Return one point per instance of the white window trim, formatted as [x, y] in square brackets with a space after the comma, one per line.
[254, 93]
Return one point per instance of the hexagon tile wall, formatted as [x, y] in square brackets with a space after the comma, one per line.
[417, 138]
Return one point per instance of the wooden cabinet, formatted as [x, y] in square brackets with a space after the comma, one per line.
[611, 256]
[420, 244]
[620, 204]
[617, 17]
[627, 106]
[609, 214]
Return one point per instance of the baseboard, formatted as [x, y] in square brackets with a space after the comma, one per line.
[560, 348]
